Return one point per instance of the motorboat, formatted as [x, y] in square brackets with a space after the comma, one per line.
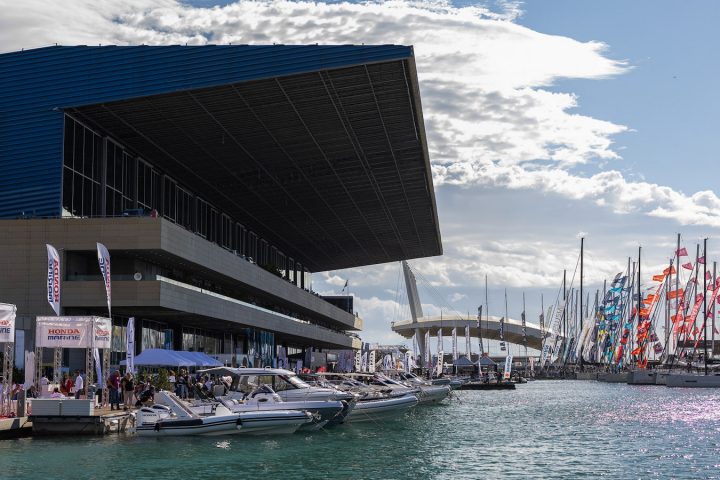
[176, 419]
[263, 398]
[429, 393]
[377, 401]
[289, 387]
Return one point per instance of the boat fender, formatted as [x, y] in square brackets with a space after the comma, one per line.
[239, 422]
[157, 426]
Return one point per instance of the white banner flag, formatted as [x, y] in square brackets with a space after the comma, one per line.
[426, 353]
[441, 356]
[358, 360]
[454, 344]
[371, 362]
[98, 368]
[508, 367]
[53, 278]
[408, 362]
[364, 363]
[7, 323]
[130, 345]
[104, 262]
[29, 369]
[468, 348]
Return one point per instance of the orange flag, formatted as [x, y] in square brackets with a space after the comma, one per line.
[658, 278]
[675, 293]
[669, 271]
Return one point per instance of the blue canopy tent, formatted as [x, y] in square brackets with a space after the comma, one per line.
[158, 357]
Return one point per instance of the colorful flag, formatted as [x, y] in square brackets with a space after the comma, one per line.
[687, 266]
[701, 260]
[682, 252]
[669, 271]
[675, 293]
[53, 279]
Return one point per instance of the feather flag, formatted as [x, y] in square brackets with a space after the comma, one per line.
[687, 266]
[682, 252]
[658, 278]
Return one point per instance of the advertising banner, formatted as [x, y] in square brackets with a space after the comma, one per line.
[440, 362]
[104, 262]
[454, 344]
[508, 367]
[7, 323]
[371, 363]
[72, 332]
[53, 278]
[130, 344]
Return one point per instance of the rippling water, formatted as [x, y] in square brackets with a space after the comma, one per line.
[544, 429]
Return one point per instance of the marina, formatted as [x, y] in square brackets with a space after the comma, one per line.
[616, 431]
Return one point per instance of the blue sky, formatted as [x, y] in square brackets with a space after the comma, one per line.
[546, 120]
[669, 97]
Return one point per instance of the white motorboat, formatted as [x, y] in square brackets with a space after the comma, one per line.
[179, 420]
[376, 409]
[429, 393]
[263, 398]
[377, 400]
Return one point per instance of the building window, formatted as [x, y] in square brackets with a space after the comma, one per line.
[82, 176]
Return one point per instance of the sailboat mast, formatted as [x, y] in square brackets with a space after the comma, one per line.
[712, 334]
[705, 304]
[487, 313]
[639, 294]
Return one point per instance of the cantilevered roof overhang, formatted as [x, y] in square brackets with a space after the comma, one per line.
[331, 166]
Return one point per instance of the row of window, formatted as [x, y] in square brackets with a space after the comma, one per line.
[97, 184]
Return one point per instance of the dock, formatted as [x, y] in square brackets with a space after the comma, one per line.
[77, 417]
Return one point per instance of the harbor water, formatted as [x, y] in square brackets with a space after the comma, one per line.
[544, 429]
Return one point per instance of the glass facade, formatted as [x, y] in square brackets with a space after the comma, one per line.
[102, 178]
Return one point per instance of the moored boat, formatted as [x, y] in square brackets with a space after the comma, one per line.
[182, 421]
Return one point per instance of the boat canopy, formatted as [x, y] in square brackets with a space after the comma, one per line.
[158, 357]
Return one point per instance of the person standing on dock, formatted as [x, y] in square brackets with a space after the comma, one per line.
[113, 383]
[79, 385]
[128, 390]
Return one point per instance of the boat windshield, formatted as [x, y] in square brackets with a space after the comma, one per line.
[295, 381]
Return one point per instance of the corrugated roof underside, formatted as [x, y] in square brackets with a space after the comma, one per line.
[36, 84]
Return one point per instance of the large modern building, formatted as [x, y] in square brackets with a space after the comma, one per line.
[219, 178]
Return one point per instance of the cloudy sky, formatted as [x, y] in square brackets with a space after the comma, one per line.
[546, 121]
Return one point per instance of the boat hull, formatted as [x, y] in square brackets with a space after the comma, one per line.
[692, 381]
[382, 409]
[642, 377]
[248, 423]
[487, 386]
[433, 394]
[614, 377]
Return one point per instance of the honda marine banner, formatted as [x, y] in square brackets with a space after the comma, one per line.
[72, 332]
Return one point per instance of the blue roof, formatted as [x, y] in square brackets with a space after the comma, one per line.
[36, 85]
[158, 357]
